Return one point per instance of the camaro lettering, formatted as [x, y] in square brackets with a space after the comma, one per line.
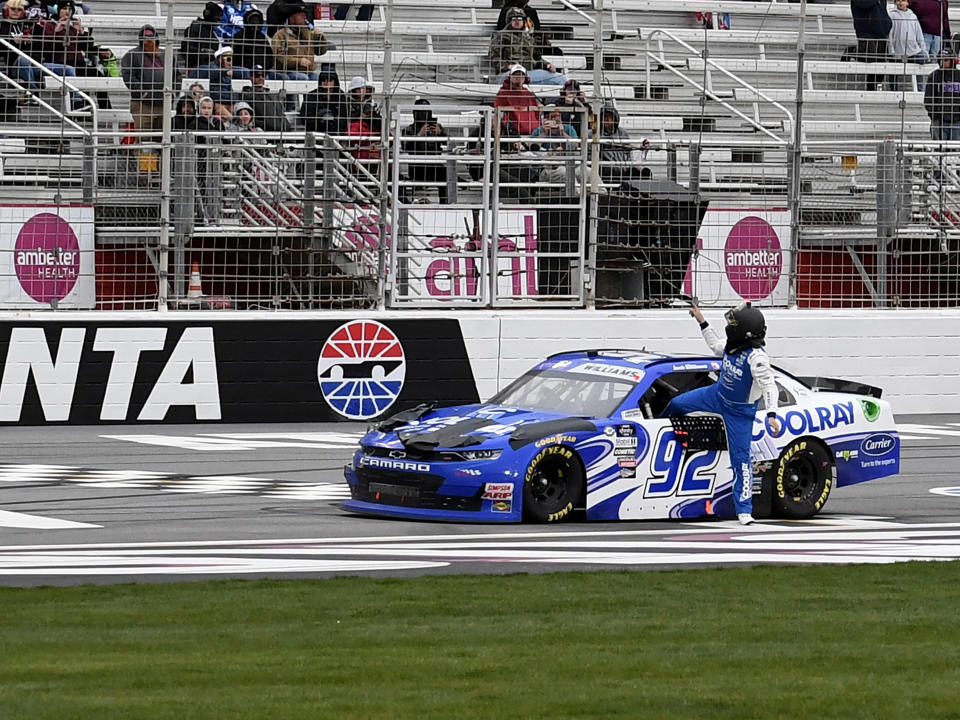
[811, 420]
[368, 461]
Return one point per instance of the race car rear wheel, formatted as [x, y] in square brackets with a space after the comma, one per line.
[803, 478]
[552, 485]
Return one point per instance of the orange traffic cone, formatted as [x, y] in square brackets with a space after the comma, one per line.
[195, 290]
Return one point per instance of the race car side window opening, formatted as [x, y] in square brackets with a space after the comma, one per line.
[784, 397]
[666, 387]
[566, 392]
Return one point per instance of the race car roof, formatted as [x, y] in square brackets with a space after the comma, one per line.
[640, 360]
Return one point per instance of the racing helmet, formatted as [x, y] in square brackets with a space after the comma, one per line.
[745, 326]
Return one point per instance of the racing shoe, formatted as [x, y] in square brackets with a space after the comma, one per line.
[745, 518]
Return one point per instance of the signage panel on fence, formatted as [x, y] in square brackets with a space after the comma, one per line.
[46, 256]
[742, 255]
[231, 371]
[444, 259]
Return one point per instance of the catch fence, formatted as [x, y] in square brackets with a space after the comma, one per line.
[723, 176]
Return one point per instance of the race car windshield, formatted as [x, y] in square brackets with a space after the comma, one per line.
[566, 393]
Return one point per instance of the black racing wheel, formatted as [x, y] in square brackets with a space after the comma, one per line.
[552, 485]
[802, 479]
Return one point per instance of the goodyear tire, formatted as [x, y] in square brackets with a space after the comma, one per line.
[802, 479]
[552, 485]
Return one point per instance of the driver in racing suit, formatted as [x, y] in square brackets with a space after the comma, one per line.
[745, 376]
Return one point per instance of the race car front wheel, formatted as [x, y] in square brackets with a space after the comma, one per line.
[552, 485]
[803, 478]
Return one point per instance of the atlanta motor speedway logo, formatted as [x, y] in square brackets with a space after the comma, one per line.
[361, 369]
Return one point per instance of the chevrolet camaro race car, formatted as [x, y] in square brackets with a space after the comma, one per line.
[583, 430]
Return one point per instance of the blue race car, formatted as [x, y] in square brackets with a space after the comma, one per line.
[583, 430]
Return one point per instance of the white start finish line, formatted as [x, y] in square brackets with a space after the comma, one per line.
[39, 522]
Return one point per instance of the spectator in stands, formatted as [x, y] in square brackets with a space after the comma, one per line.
[197, 91]
[618, 152]
[906, 40]
[514, 45]
[941, 97]
[573, 105]
[17, 30]
[326, 109]
[364, 134]
[364, 12]
[872, 25]
[234, 12]
[64, 42]
[142, 70]
[558, 145]
[277, 14]
[521, 107]
[222, 74]
[267, 106]
[517, 180]
[532, 25]
[934, 23]
[200, 41]
[208, 118]
[251, 46]
[296, 45]
[186, 114]
[531, 17]
[37, 10]
[427, 138]
[243, 119]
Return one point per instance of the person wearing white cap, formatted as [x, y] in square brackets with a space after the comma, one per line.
[243, 119]
[514, 45]
[359, 90]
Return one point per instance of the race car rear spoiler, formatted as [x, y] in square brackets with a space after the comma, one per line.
[843, 386]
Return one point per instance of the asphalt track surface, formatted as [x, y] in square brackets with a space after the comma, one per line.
[172, 503]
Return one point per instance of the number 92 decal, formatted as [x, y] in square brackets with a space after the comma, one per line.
[671, 471]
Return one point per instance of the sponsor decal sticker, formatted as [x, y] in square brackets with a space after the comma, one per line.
[877, 444]
[361, 369]
[871, 410]
[557, 439]
[609, 430]
[469, 471]
[847, 455]
[497, 491]
[502, 506]
[631, 414]
[611, 370]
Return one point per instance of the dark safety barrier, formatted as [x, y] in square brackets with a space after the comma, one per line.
[229, 371]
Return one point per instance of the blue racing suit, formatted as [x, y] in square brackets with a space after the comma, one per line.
[745, 376]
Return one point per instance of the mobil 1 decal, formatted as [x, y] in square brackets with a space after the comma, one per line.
[228, 370]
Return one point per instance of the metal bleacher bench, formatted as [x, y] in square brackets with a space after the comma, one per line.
[412, 89]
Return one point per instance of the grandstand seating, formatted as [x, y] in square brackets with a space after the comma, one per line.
[673, 80]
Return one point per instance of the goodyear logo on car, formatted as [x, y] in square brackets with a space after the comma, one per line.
[557, 439]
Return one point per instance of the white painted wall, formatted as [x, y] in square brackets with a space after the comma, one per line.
[913, 355]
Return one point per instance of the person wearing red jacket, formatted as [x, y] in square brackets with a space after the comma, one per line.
[523, 115]
[64, 40]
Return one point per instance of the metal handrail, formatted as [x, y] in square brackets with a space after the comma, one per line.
[63, 80]
[709, 93]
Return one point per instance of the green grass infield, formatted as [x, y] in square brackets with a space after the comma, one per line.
[861, 641]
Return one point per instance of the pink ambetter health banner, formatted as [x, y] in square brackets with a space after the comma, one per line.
[47, 256]
[742, 254]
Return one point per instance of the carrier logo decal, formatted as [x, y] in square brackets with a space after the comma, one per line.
[361, 369]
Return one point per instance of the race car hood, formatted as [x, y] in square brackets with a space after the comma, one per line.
[425, 429]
